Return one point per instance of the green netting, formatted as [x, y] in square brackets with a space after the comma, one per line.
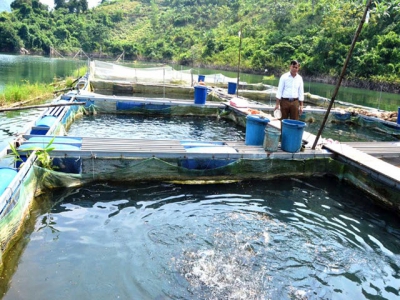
[151, 169]
[161, 74]
[375, 125]
[154, 169]
[107, 107]
[359, 120]
[74, 113]
[12, 222]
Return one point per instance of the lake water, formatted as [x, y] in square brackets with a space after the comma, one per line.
[151, 127]
[282, 239]
[202, 129]
[375, 99]
[21, 68]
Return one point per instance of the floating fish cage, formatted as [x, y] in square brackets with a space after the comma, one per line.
[195, 161]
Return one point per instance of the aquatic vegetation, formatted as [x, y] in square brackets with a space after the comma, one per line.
[25, 91]
[15, 155]
[80, 72]
[44, 159]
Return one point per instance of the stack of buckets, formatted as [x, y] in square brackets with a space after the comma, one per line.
[200, 92]
[259, 134]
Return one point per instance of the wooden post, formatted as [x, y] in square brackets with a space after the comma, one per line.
[238, 71]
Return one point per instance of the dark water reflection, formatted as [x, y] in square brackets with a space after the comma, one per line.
[153, 127]
[204, 129]
[286, 239]
[16, 69]
[351, 132]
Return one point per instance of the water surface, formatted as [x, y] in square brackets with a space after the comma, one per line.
[202, 129]
[22, 68]
[282, 239]
[156, 128]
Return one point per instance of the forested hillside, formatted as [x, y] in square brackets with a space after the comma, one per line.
[316, 32]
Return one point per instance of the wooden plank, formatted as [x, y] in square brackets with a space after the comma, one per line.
[366, 160]
[374, 144]
[377, 149]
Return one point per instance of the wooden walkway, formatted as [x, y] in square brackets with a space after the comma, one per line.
[89, 147]
[377, 149]
[110, 147]
[379, 169]
[124, 148]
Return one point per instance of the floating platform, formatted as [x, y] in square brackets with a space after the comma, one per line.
[376, 168]
[143, 148]
[83, 159]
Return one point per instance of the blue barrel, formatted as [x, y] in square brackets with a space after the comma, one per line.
[342, 117]
[255, 126]
[201, 78]
[271, 139]
[45, 122]
[232, 88]
[292, 135]
[200, 94]
[6, 175]
[398, 115]
[207, 163]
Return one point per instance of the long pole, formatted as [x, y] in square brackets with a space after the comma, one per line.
[238, 71]
[42, 106]
[342, 74]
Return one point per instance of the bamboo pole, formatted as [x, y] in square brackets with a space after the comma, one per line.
[238, 70]
[353, 43]
[42, 106]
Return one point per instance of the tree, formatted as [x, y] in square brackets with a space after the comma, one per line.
[24, 7]
[10, 41]
[83, 5]
[59, 4]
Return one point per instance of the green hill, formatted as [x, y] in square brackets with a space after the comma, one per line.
[316, 32]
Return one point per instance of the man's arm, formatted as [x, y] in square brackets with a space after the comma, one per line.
[279, 93]
[301, 96]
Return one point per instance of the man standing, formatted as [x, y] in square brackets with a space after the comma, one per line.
[290, 95]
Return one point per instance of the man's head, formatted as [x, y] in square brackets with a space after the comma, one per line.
[294, 67]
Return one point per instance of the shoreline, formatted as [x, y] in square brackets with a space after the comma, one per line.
[360, 83]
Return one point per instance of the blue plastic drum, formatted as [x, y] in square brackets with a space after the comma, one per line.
[200, 94]
[255, 127]
[292, 135]
[7, 175]
[232, 88]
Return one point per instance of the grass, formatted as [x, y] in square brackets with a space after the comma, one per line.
[25, 91]
[71, 80]
[80, 72]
